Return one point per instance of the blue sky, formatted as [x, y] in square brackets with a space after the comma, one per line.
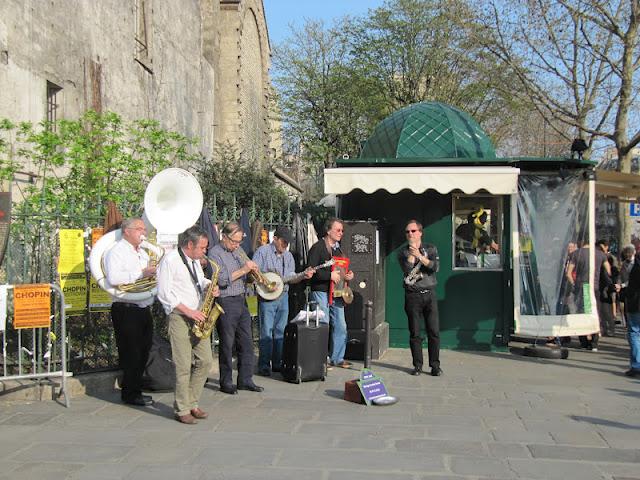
[281, 13]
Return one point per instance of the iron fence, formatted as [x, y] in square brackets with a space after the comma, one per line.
[39, 352]
[32, 255]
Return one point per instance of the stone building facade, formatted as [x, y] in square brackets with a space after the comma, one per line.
[199, 67]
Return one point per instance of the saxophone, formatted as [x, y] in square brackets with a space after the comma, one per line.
[210, 307]
[415, 274]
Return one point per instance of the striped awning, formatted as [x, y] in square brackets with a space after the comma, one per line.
[496, 180]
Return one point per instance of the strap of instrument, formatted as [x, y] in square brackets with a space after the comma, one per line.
[192, 274]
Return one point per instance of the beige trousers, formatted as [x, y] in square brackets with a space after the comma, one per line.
[193, 359]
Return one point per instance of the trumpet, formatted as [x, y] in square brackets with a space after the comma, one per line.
[269, 285]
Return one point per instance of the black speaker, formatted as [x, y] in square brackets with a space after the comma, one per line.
[360, 244]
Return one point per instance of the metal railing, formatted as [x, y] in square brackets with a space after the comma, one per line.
[32, 254]
[38, 353]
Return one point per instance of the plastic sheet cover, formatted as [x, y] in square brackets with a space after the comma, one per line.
[553, 214]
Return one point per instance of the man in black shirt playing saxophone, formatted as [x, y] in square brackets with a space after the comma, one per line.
[419, 265]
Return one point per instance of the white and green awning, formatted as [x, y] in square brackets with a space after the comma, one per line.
[495, 180]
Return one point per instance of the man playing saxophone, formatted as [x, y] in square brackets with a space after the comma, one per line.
[234, 326]
[419, 265]
[125, 263]
[181, 289]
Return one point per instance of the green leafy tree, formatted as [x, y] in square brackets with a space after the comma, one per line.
[322, 97]
[84, 162]
[336, 83]
[230, 183]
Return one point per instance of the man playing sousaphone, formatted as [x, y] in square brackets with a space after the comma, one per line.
[234, 326]
[321, 251]
[181, 290]
[126, 263]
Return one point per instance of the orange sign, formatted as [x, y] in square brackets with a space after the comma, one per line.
[32, 306]
[341, 264]
[96, 233]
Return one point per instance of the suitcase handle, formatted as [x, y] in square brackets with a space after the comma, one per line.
[317, 313]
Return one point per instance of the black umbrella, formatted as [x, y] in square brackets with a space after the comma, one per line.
[209, 228]
[246, 228]
[300, 250]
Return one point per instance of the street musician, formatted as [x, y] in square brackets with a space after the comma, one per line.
[273, 314]
[181, 290]
[125, 263]
[321, 251]
[420, 264]
[234, 326]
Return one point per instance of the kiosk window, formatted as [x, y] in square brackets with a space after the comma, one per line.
[477, 232]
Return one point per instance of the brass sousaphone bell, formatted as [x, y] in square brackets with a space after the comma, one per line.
[172, 203]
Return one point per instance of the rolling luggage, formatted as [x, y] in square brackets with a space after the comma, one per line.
[304, 353]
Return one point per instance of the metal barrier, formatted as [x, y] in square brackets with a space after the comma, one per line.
[37, 353]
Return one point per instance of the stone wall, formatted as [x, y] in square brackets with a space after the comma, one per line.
[244, 82]
[200, 67]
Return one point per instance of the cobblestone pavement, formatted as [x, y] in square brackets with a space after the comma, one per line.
[492, 415]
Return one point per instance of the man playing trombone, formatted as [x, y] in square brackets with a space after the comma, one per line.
[234, 326]
[127, 263]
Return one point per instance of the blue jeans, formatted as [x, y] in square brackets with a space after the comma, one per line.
[633, 334]
[335, 313]
[273, 317]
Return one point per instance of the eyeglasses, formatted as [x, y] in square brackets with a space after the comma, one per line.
[235, 242]
[411, 231]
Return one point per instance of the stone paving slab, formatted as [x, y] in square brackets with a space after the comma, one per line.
[492, 415]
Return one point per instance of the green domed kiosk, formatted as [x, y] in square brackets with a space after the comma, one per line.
[434, 163]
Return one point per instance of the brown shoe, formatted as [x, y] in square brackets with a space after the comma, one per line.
[187, 419]
[199, 414]
[344, 364]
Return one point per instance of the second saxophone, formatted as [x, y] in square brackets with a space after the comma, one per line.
[210, 307]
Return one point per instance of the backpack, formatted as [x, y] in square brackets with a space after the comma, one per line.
[160, 372]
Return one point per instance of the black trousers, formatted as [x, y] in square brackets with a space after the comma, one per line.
[607, 320]
[234, 327]
[133, 327]
[423, 307]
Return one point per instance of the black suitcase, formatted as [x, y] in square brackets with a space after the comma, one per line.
[304, 353]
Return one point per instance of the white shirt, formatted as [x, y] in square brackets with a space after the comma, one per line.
[175, 285]
[124, 264]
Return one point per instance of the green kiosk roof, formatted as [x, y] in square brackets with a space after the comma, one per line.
[424, 133]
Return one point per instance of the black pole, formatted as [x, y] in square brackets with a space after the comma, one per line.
[367, 333]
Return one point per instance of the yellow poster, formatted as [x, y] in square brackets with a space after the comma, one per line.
[32, 306]
[74, 288]
[252, 305]
[71, 251]
[99, 300]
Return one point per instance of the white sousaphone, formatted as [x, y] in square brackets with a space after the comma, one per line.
[172, 203]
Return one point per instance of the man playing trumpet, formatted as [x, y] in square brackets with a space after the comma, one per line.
[181, 290]
[234, 326]
[126, 263]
